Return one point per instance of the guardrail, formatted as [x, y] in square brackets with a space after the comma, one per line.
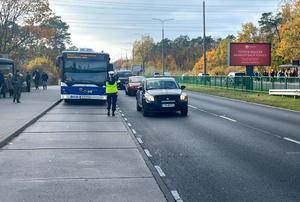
[246, 83]
[286, 92]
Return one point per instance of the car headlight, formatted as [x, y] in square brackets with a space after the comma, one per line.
[183, 97]
[149, 98]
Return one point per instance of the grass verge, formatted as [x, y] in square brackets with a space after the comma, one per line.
[255, 97]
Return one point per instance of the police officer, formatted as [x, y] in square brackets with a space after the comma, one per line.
[17, 82]
[112, 93]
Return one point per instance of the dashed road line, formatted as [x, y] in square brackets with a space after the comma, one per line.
[191, 106]
[126, 119]
[140, 140]
[160, 171]
[133, 131]
[147, 152]
[123, 115]
[213, 114]
[129, 124]
[229, 119]
[176, 196]
[291, 140]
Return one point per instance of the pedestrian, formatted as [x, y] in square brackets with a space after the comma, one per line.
[44, 80]
[28, 81]
[36, 77]
[112, 93]
[2, 85]
[9, 84]
[17, 82]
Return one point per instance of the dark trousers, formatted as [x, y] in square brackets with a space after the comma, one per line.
[112, 101]
[28, 84]
[11, 92]
[36, 83]
[17, 94]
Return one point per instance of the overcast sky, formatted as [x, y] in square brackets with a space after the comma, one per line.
[113, 25]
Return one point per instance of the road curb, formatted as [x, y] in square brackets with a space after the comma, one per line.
[163, 187]
[6, 140]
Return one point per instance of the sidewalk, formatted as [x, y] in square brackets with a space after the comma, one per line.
[76, 153]
[14, 116]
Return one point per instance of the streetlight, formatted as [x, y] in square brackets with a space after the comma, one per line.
[163, 38]
[204, 42]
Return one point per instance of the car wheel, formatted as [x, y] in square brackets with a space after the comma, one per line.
[184, 113]
[145, 112]
[138, 108]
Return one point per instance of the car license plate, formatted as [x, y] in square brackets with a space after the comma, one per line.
[85, 97]
[168, 105]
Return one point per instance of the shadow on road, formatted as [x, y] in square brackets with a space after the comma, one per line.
[164, 115]
[85, 102]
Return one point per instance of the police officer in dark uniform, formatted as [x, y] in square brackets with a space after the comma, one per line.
[112, 93]
[17, 82]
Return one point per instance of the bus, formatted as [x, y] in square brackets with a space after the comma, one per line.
[6, 66]
[83, 74]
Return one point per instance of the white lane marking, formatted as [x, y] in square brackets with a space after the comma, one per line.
[147, 152]
[293, 153]
[123, 115]
[120, 111]
[140, 140]
[126, 119]
[160, 172]
[291, 140]
[176, 196]
[191, 106]
[229, 119]
[133, 131]
[202, 110]
[129, 124]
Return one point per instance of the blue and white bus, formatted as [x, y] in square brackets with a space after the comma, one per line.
[83, 74]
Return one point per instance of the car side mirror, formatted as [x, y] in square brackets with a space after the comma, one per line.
[183, 87]
[141, 88]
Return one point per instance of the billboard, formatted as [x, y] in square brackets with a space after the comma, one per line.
[249, 54]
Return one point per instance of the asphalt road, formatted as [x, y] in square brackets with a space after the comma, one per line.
[224, 150]
[78, 154]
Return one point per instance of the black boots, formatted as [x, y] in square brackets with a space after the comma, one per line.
[108, 113]
[113, 113]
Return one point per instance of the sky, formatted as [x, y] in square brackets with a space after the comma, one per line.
[113, 25]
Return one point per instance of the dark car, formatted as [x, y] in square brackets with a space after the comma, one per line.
[236, 78]
[123, 76]
[133, 84]
[161, 95]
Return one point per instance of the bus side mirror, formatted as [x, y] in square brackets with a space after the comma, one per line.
[183, 87]
[57, 62]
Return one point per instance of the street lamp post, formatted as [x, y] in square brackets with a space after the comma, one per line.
[204, 41]
[163, 38]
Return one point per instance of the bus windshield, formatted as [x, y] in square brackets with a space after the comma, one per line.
[81, 71]
[6, 68]
[85, 66]
[85, 78]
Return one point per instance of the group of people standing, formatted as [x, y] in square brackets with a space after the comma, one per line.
[14, 84]
[37, 78]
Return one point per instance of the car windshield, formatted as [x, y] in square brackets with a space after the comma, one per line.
[124, 74]
[136, 79]
[161, 84]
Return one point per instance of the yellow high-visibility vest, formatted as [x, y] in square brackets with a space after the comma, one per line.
[111, 88]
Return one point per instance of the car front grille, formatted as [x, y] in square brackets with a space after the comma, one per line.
[167, 98]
